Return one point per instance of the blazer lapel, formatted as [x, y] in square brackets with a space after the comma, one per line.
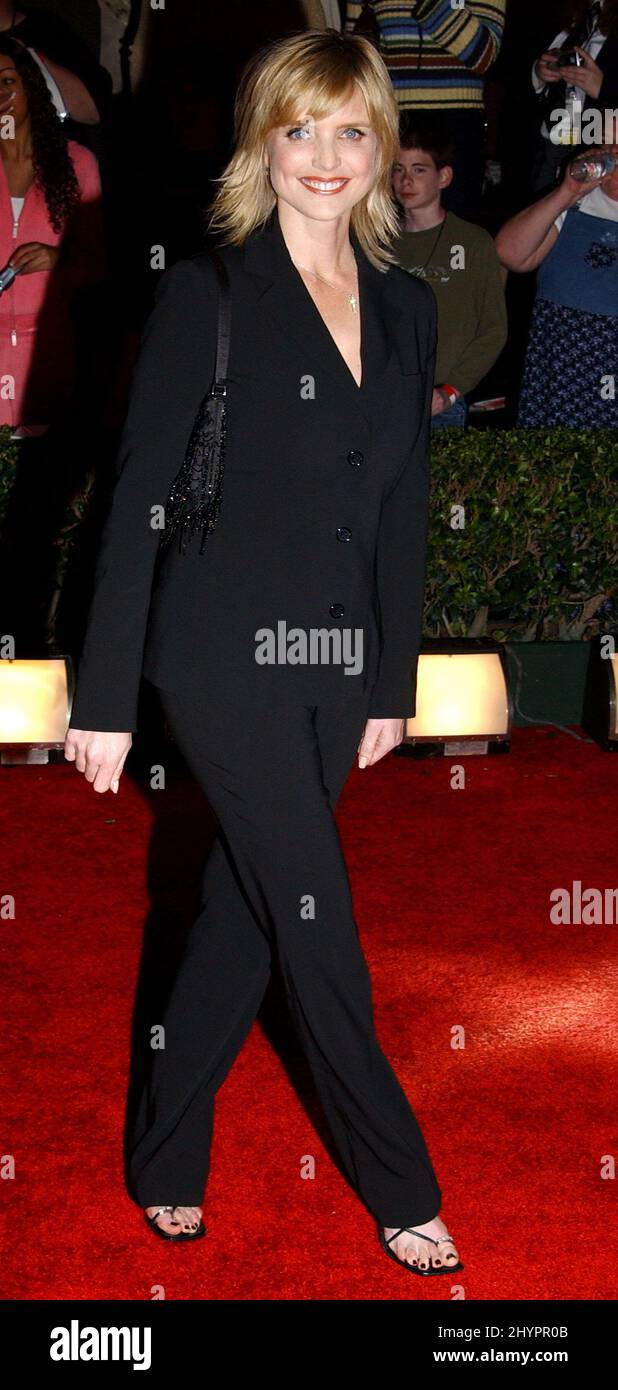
[283, 295]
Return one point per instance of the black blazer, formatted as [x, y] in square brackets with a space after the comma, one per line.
[324, 511]
[607, 59]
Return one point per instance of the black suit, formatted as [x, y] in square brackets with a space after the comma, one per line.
[323, 525]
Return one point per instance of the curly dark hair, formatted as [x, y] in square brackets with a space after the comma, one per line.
[573, 12]
[53, 166]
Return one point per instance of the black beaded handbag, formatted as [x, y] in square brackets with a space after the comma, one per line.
[194, 500]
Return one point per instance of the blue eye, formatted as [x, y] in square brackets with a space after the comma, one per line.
[304, 130]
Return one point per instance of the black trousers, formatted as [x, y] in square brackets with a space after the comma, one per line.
[272, 768]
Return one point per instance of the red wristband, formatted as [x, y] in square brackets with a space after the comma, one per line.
[451, 392]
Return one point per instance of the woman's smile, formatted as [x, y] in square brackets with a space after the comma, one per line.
[325, 185]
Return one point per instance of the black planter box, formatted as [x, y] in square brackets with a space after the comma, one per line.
[547, 681]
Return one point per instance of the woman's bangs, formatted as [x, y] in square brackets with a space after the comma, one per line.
[312, 100]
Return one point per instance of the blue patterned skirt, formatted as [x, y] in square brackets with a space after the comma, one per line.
[569, 353]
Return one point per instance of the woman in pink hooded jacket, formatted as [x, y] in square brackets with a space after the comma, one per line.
[51, 231]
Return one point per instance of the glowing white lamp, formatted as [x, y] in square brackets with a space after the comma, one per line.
[35, 707]
[462, 699]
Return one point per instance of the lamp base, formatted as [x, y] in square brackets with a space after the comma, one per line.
[452, 748]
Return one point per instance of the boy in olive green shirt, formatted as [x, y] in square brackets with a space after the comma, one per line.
[459, 260]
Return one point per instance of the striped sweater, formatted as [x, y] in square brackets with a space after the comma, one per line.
[437, 51]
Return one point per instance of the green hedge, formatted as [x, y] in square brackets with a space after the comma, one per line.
[537, 557]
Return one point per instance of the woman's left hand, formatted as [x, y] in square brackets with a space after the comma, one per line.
[35, 255]
[380, 736]
[589, 78]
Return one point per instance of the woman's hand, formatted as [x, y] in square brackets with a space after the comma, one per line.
[589, 77]
[574, 189]
[35, 255]
[7, 103]
[380, 736]
[546, 68]
[101, 757]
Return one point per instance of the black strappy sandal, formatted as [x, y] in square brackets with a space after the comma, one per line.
[165, 1235]
[446, 1269]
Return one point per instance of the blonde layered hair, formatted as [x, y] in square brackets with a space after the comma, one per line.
[311, 73]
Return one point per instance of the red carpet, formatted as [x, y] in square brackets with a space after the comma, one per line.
[452, 900]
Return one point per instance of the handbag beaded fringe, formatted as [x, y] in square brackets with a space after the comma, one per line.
[194, 500]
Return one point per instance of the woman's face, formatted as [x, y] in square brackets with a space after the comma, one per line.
[13, 101]
[322, 168]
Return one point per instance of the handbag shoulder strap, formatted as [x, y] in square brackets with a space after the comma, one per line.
[224, 323]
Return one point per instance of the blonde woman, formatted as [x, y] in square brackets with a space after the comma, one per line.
[322, 530]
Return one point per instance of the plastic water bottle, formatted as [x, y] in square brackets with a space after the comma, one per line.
[588, 167]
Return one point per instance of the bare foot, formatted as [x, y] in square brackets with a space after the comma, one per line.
[422, 1253]
[177, 1219]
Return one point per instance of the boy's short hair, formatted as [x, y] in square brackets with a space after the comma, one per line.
[415, 133]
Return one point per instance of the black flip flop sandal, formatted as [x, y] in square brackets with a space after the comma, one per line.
[165, 1235]
[446, 1269]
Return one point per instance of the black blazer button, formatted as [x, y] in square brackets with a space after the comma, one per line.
[343, 534]
[336, 610]
[356, 458]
